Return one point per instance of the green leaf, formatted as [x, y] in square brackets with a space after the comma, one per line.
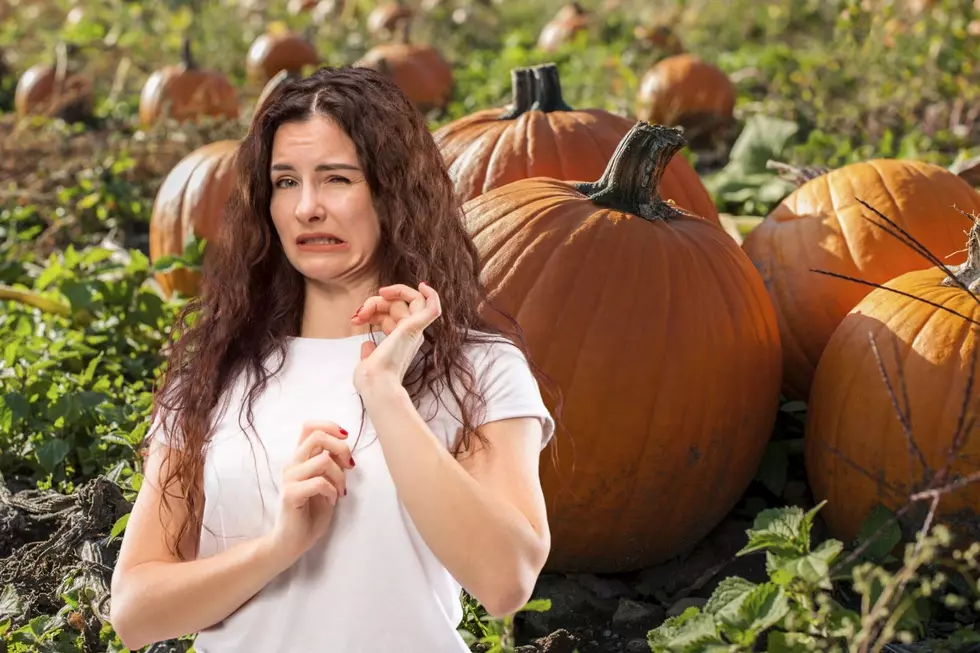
[119, 526]
[813, 568]
[760, 609]
[686, 630]
[779, 642]
[728, 596]
[52, 453]
[884, 542]
[10, 603]
[164, 263]
[773, 469]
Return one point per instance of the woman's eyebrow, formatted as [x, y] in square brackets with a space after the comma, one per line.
[323, 167]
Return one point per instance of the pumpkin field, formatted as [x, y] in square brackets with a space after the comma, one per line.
[742, 237]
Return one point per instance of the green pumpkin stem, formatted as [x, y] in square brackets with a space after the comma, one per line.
[522, 93]
[548, 89]
[631, 181]
[968, 274]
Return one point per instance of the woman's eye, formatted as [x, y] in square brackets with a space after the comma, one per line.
[284, 182]
[340, 180]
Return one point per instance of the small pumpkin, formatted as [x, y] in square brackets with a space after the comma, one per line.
[821, 226]
[539, 135]
[186, 91]
[279, 50]
[666, 335]
[852, 422]
[191, 201]
[273, 85]
[55, 91]
[384, 20]
[566, 24]
[416, 68]
[685, 91]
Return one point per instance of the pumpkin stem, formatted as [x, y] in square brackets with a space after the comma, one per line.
[548, 89]
[405, 24]
[522, 93]
[797, 175]
[185, 54]
[968, 274]
[631, 181]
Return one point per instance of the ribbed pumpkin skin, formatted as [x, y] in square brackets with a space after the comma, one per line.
[683, 87]
[190, 93]
[271, 53]
[664, 344]
[483, 152]
[191, 199]
[822, 226]
[417, 69]
[851, 411]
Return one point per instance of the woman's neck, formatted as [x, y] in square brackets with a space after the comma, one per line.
[328, 309]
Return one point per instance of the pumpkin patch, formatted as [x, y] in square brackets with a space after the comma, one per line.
[736, 240]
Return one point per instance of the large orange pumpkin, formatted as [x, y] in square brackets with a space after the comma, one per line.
[852, 422]
[416, 68]
[539, 135]
[191, 201]
[279, 50]
[658, 331]
[821, 226]
[684, 91]
[186, 91]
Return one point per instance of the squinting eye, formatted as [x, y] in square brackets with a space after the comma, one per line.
[342, 180]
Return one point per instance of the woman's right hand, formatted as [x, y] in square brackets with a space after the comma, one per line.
[312, 483]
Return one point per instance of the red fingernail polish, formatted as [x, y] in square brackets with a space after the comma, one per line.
[345, 492]
[352, 463]
[343, 431]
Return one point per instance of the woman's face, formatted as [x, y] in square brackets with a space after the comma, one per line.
[321, 204]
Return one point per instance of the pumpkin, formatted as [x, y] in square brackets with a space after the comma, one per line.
[417, 69]
[566, 24]
[273, 85]
[851, 412]
[279, 50]
[667, 357]
[186, 91]
[684, 91]
[385, 18]
[821, 226]
[539, 135]
[191, 201]
[54, 91]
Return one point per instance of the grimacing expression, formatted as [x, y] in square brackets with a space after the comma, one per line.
[321, 204]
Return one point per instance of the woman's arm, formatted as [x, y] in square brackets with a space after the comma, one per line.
[494, 540]
[155, 595]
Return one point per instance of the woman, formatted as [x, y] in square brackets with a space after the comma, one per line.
[322, 540]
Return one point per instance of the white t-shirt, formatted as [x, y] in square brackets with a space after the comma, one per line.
[371, 584]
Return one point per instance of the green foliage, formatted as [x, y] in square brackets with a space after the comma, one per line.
[800, 609]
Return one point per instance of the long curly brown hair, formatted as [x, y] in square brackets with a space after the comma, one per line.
[251, 298]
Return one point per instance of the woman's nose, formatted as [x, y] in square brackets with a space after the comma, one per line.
[310, 208]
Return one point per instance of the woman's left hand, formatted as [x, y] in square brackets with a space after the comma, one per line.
[403, 313]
